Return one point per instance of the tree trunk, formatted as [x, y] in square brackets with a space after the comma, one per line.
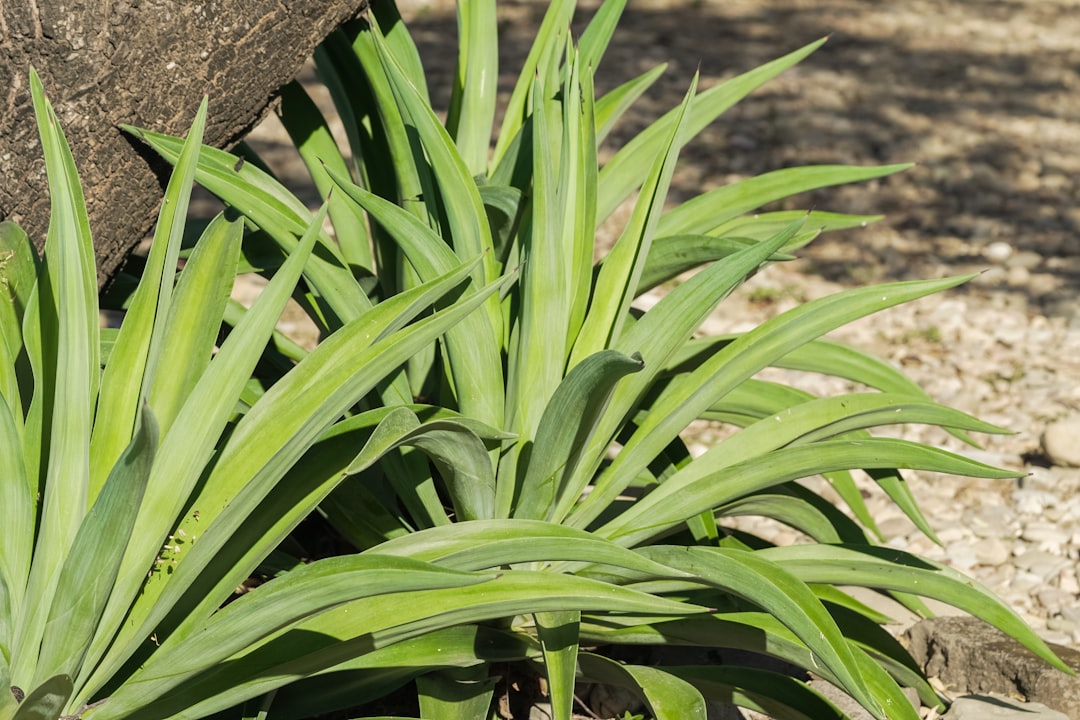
[147, 63]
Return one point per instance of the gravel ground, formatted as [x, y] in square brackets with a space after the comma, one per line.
[984, 97]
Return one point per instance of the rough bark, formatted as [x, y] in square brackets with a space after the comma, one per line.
[147, 63]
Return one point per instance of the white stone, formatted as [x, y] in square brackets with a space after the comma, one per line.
[1061, 441]
[1041, 564]
[1044, 533]
[991, 551]
[998, 252]
[961, 556]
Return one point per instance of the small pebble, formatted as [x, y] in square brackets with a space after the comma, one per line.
[991, 551]
[998, 252]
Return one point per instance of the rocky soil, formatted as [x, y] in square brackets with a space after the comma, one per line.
[985, 98]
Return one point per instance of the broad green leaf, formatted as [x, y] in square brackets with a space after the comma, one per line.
[617, 281]
[565, 430]
[490, 544]
[17, 530]
[668, 697]
[763, 691]
[276, 606]
[472, 102]
[470, 235]
[594, 41]
[423, 503]
[334, 62]
[708, 210]
[356, 627]
[402, 47]
[181, 460]
[68, 315]
[674, 501]
[803, 511]
[558, 635]
[779, 593]
[473, 345]
[889, 569]
[308, 130]
[459, 454]
[46, 701]
[18, 276]
[828, 418]
[758, 226]
[465, 219]
[548, 41]
[274, 209]
[8, 703]
[194, 321]
[89, 572]
[757, 632]
[662, 330]
[129, 375]
[675, 254]
[540, 336]
[456, 693]
[581, 187]
[275, 434]
[368, 676]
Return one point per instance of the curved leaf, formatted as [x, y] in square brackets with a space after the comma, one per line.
[781, 594]
[889, 569]
[675, 501]
[695, 392]
[668, 697]
[701, 214]
[565, 430]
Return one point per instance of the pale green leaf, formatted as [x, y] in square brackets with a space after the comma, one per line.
[195, 317]
[558, 635]
[707, 211]
[889, 569]
[67, 311]
[133, 361]
[565, 431]
[472, 102]
[89, 573]
[692, 394]
[674, 501]
[627, 170]
[311, 136]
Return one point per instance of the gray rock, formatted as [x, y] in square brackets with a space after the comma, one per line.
[840, 699]
[1060, 441]
[970, 656]
[992, 707]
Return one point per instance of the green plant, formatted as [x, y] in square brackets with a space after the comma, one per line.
[548, 447]
[141, 481]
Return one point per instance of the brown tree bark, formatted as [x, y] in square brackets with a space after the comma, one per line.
[147, 63]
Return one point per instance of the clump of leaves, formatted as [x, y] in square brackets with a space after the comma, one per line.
[141, 481]
[542, 434]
